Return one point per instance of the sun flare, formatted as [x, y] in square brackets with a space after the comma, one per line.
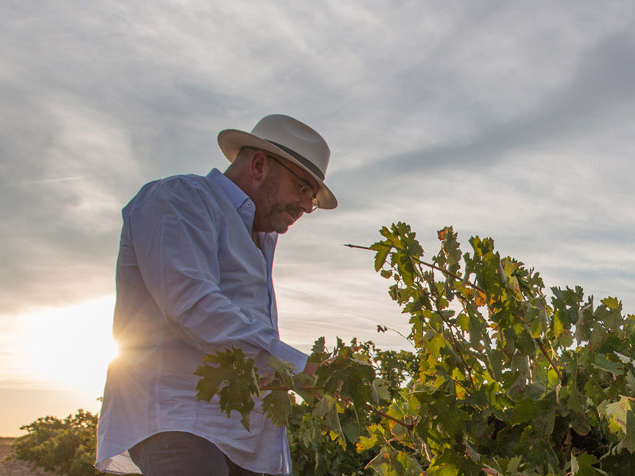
[68, 347]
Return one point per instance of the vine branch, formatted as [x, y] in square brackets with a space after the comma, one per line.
[409, 425]
[425, 263]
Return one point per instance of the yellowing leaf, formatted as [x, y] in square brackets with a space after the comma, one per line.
[481, 298]
[611, 302]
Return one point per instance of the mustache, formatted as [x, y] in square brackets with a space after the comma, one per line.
[296, 212]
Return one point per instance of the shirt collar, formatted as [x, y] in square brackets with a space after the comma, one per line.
[232, 191]
[241, 202]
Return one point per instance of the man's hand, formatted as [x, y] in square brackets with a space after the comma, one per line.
[266, 379]
[310, 368]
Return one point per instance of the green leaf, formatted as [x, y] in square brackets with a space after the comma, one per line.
[412, 245]
[513, 465]
[610, 315]
[277, 407]
[495, 358]
[463, 322]
[524, 342]
[326, 410]
[545, 419]
[386, 273]
[536, 328]
[580, 424]
[630, 382]
[410, 465]
[233, 379]
[478, 330]
[574, 394]
[434, 343]
[350, 429]
[622, 421]
[629, 431]
[382, 250]
[448, 464]
[450, 248]
[558, 324]
[319, 346]
[583, 465]
[380, 390]
[524, 411]
[367, 443]
[601, 362]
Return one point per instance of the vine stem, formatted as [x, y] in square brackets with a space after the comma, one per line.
[543, 351]
[457, 347]
[430, 265]
[284, 388]
[382, 328]
[410, 426]
[435, 296]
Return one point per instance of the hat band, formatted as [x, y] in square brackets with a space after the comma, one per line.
[303, 160]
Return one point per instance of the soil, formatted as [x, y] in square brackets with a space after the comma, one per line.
[16, 467]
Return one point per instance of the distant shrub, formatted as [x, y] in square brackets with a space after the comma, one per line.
[66, 447]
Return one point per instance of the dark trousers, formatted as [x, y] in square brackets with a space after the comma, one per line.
[175, 453]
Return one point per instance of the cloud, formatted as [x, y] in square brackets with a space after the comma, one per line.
[421, 106]
[61, 189]
[600, 89]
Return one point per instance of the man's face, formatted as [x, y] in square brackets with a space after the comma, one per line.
[281, 201]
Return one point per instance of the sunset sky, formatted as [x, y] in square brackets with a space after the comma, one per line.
[514, 120]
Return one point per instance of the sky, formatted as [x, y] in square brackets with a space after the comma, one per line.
[508, 119]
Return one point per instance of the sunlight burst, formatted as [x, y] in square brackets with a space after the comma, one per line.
[68, 347]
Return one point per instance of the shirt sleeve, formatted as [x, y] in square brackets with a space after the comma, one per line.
[175, 235]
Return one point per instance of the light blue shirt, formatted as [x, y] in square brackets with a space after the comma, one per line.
[190, 281]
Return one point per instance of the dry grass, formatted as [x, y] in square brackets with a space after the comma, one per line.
[5, 447]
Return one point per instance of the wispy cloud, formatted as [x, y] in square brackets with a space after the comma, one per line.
[51, 180]
[508, 119]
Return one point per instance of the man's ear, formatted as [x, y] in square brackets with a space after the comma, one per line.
[259, 166]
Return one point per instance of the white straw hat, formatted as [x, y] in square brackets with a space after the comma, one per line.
[287, 138]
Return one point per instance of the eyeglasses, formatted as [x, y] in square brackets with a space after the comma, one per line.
[306, 191]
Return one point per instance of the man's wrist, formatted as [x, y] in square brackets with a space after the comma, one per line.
[289, 354]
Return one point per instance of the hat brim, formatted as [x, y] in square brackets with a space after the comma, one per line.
[231, 141]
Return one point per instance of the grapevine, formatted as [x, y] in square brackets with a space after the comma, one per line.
[503, 379]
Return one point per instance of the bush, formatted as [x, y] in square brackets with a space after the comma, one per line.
[65, 447]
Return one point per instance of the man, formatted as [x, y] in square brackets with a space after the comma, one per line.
[194, 277]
